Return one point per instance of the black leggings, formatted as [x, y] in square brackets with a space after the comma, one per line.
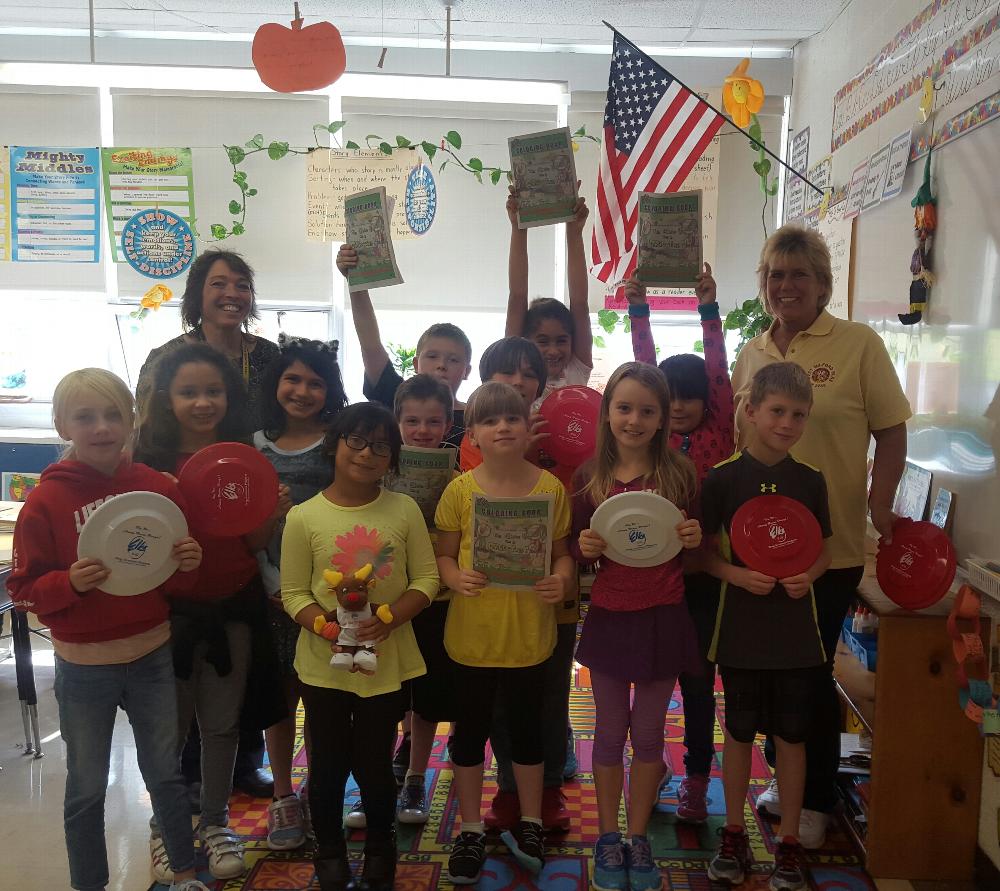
[520, 692]
[351, 734]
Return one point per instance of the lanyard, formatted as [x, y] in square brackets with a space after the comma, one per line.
[244, 353]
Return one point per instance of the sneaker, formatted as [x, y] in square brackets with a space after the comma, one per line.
[224, 850]
[189, 885]
[692, 801]
[401, 760]
[732, 861]
[413, 802]
[572, 766]
[555, 817]
[643, 873]
[504, 812]
[159, 860]
[284, 824]
[812, 829]
[610, 873]
[789, 867]
[526, 845]
[468, 854]
[355, 818]
[769, 802]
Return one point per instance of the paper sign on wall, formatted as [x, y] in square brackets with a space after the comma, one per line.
[878, 167]
[138, 179]
[4, 203]
[56, 204]
[899, 157]
[821, 176]
[798, 158]
[332, 175]
[856, 190]
[837, 230]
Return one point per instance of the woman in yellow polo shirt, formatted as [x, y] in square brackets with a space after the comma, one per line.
[856, 396]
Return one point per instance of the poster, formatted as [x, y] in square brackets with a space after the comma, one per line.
[423, 475]
[798, 159]
[954, 42]
[512, 539]
[137, 179]
[878, 167]
[55, 195]
[837, 229]
[899, 157]
[4, 203]
[17, 485]
[544, 177]
[856, 190]
[332, 175]
[669, 239]
[821, 176]
[366, 218]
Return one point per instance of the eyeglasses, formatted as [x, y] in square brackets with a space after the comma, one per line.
[359, 444]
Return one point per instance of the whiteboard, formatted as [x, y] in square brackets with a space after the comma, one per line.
[950, 364]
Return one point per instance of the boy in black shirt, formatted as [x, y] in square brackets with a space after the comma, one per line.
[766, 640]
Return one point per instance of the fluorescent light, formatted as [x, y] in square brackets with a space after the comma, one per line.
[690, 50]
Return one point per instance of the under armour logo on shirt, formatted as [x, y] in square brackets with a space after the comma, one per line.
[764, 487]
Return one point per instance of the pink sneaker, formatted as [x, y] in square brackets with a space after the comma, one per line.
[692, 806]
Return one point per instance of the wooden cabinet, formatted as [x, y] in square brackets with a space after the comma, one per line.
[926, 755]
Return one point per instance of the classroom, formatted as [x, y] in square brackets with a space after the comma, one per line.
[521, 446]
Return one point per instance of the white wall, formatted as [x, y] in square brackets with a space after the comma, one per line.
[949, 364]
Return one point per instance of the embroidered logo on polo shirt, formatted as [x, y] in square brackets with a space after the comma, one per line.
[822, 374]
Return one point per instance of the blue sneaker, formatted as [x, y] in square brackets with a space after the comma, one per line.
[610, 872]
[572, 766]
[643, 873]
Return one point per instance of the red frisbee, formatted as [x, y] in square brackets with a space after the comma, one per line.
[230, 488]
[572, 413]
[917, 569]
[776, 536]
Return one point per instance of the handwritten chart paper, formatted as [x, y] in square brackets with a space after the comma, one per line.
[821, 176]
[138, 179]
[798, 159]
[837, 229]
[899, 157]
[4, 203]
[332, 175]
[878, 167]
[56, 201]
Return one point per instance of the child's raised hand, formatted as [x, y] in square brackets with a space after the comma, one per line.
[187, 552]
[347, 258]
[635, 292]
[704, 286]
[551, 589]
[471, 583]
[284, 504]
[797, 586]
[87, 574]
[754, 582]
[512, 205]
[591, 544]
[580, 214]
[689, 532]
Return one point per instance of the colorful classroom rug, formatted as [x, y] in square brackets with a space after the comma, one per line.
[681, 850]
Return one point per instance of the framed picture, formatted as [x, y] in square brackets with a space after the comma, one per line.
[943, 511]
[913, 493]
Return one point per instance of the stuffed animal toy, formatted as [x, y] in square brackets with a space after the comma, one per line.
[340, 626]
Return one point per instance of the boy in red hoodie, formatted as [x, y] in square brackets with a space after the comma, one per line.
[109, 650]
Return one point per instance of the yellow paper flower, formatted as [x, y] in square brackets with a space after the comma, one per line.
[155, 296]
[742, 95]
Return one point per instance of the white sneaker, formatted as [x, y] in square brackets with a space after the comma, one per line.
[284, 824]
[355, 818]
[812, 829]
[769, 802]
[224, 850]
[159, 860]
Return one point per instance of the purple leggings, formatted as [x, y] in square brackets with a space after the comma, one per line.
[616, 716]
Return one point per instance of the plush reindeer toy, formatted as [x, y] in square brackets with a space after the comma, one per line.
[341, 626]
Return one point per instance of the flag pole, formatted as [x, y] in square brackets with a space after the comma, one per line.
[728, 120]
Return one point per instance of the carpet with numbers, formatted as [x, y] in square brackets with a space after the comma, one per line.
[681, 850]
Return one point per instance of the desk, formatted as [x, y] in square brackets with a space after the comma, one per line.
[24, 669]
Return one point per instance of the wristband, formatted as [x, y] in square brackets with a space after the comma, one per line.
[384, 614]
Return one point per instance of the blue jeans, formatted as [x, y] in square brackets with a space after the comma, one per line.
[89, 697]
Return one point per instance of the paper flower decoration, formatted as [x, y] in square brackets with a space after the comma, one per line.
[926, 105]
[742, 95]
[156, 296]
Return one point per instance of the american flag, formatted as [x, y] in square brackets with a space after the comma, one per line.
[655, 130]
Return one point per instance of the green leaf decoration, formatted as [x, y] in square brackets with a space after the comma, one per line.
[599, 342]
[454, 140]
[444, 164]
[238, 228]
[236, 154]
[251, 192]
[385, 148]
[495, 176]
[235, 207]
[429, 149]
[240, 178]
[255, 143]
[755, 131]
[699, 346]
[372, 136]
[351, 144]
[403, 142]
[478, 175]
[748, 305]
[476, 164]
[277, 150]
[218, 232]
[582, 131]
[335, 126]
[627, 323]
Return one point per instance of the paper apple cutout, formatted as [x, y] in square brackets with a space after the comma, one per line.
[292, 60]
